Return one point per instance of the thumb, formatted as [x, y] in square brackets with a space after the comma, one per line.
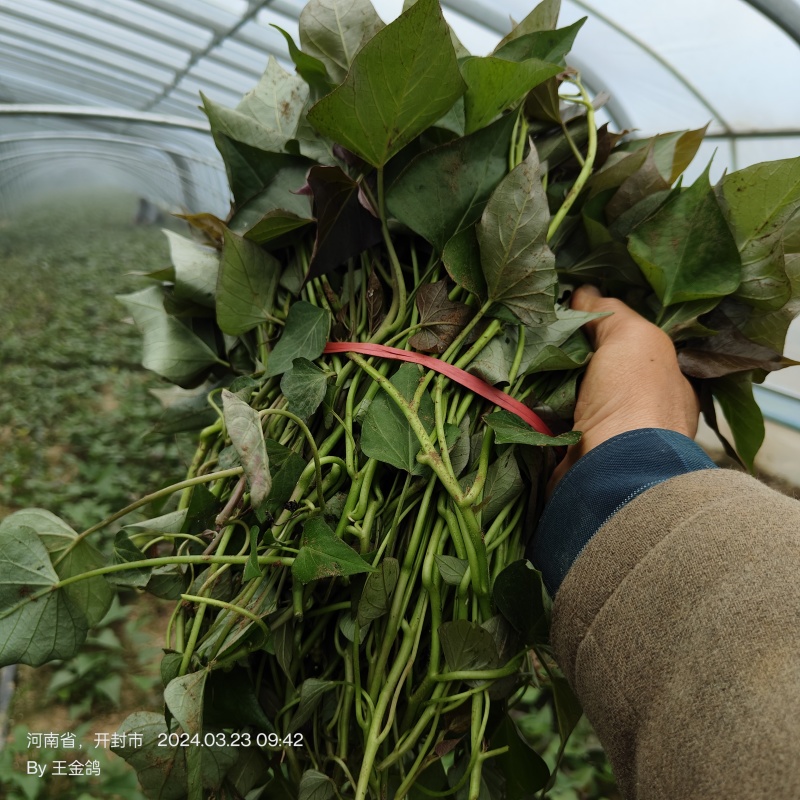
[619, 315]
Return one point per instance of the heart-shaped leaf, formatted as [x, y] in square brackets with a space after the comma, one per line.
[170, 349]
[518, 265]
[244, 427]
[324, 555]
[248, 279]
[304, 336]
[400, 82]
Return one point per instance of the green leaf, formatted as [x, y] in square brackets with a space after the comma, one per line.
[268, 115]
[170, 348]
[333, 31]
[544, 17]
[619, 166]
[189, 412]
[310, 69]
[610, 265]
[283, 482]
[645, 182]
[462, 260]
[503, 484]
[94, 595]
[400, 83]
[231, 700]
[196, 268]
[231, 629]
[274, 225]
[551, 46]
[324, 555]
[167, 582]
[758, 202]
[673, 152]
[33, 632]
[559, 396]
[203, 509]
[162, 770]
[344, 227]
[184, 698]
[248, 279]
[316, 786]
[444, 190]
[686, 250]
[493, 363]
[252, 569]
[458, 446]
[377, 593]
[385, 432]
[510, 429]
[543, 103]
[734, 394]
[171, 522]
[348, 628]
[467, 646]
[524, 769]
[126, 551]
[727, 352]
[451, 569]
[441, 318]
[568, 707]
[304, 336]
[555, 334]
[518, 265]
[573, 354]
[681, 320]
[311, 693]
[244, 427]
[262, 182]
[520, 596]
[769, 327]
[304, 387]
[494, 85]
[170, 667]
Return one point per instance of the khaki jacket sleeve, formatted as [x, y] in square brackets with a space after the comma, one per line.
[678, 627]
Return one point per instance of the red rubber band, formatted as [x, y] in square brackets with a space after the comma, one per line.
[460, 376]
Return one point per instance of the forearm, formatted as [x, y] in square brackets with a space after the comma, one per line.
[679, 627]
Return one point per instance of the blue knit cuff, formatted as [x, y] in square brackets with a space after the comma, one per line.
[599, 485]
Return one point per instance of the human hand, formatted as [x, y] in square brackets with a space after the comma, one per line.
[633, 380]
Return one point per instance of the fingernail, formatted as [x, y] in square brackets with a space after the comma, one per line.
[590, 289]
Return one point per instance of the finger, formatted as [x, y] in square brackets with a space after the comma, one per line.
[588, 298]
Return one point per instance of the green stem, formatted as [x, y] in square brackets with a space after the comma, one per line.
[375, 737]
[429, 455]
[512, 374]
[398, 306]
[492, 329]
[577, 153]
[143, 564]
[149, 498]
[229, 607]
[314, 452]
[586, 170]
[482, 674]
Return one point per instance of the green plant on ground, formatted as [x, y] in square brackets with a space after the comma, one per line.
[92, 680]
[75, 412]
[354, 615]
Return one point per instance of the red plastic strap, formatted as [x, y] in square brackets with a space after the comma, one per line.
[466, 380]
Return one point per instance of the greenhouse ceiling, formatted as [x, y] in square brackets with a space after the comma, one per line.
[110, 88]
[115, 84]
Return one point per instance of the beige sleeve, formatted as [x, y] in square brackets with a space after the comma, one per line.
[678, 627]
